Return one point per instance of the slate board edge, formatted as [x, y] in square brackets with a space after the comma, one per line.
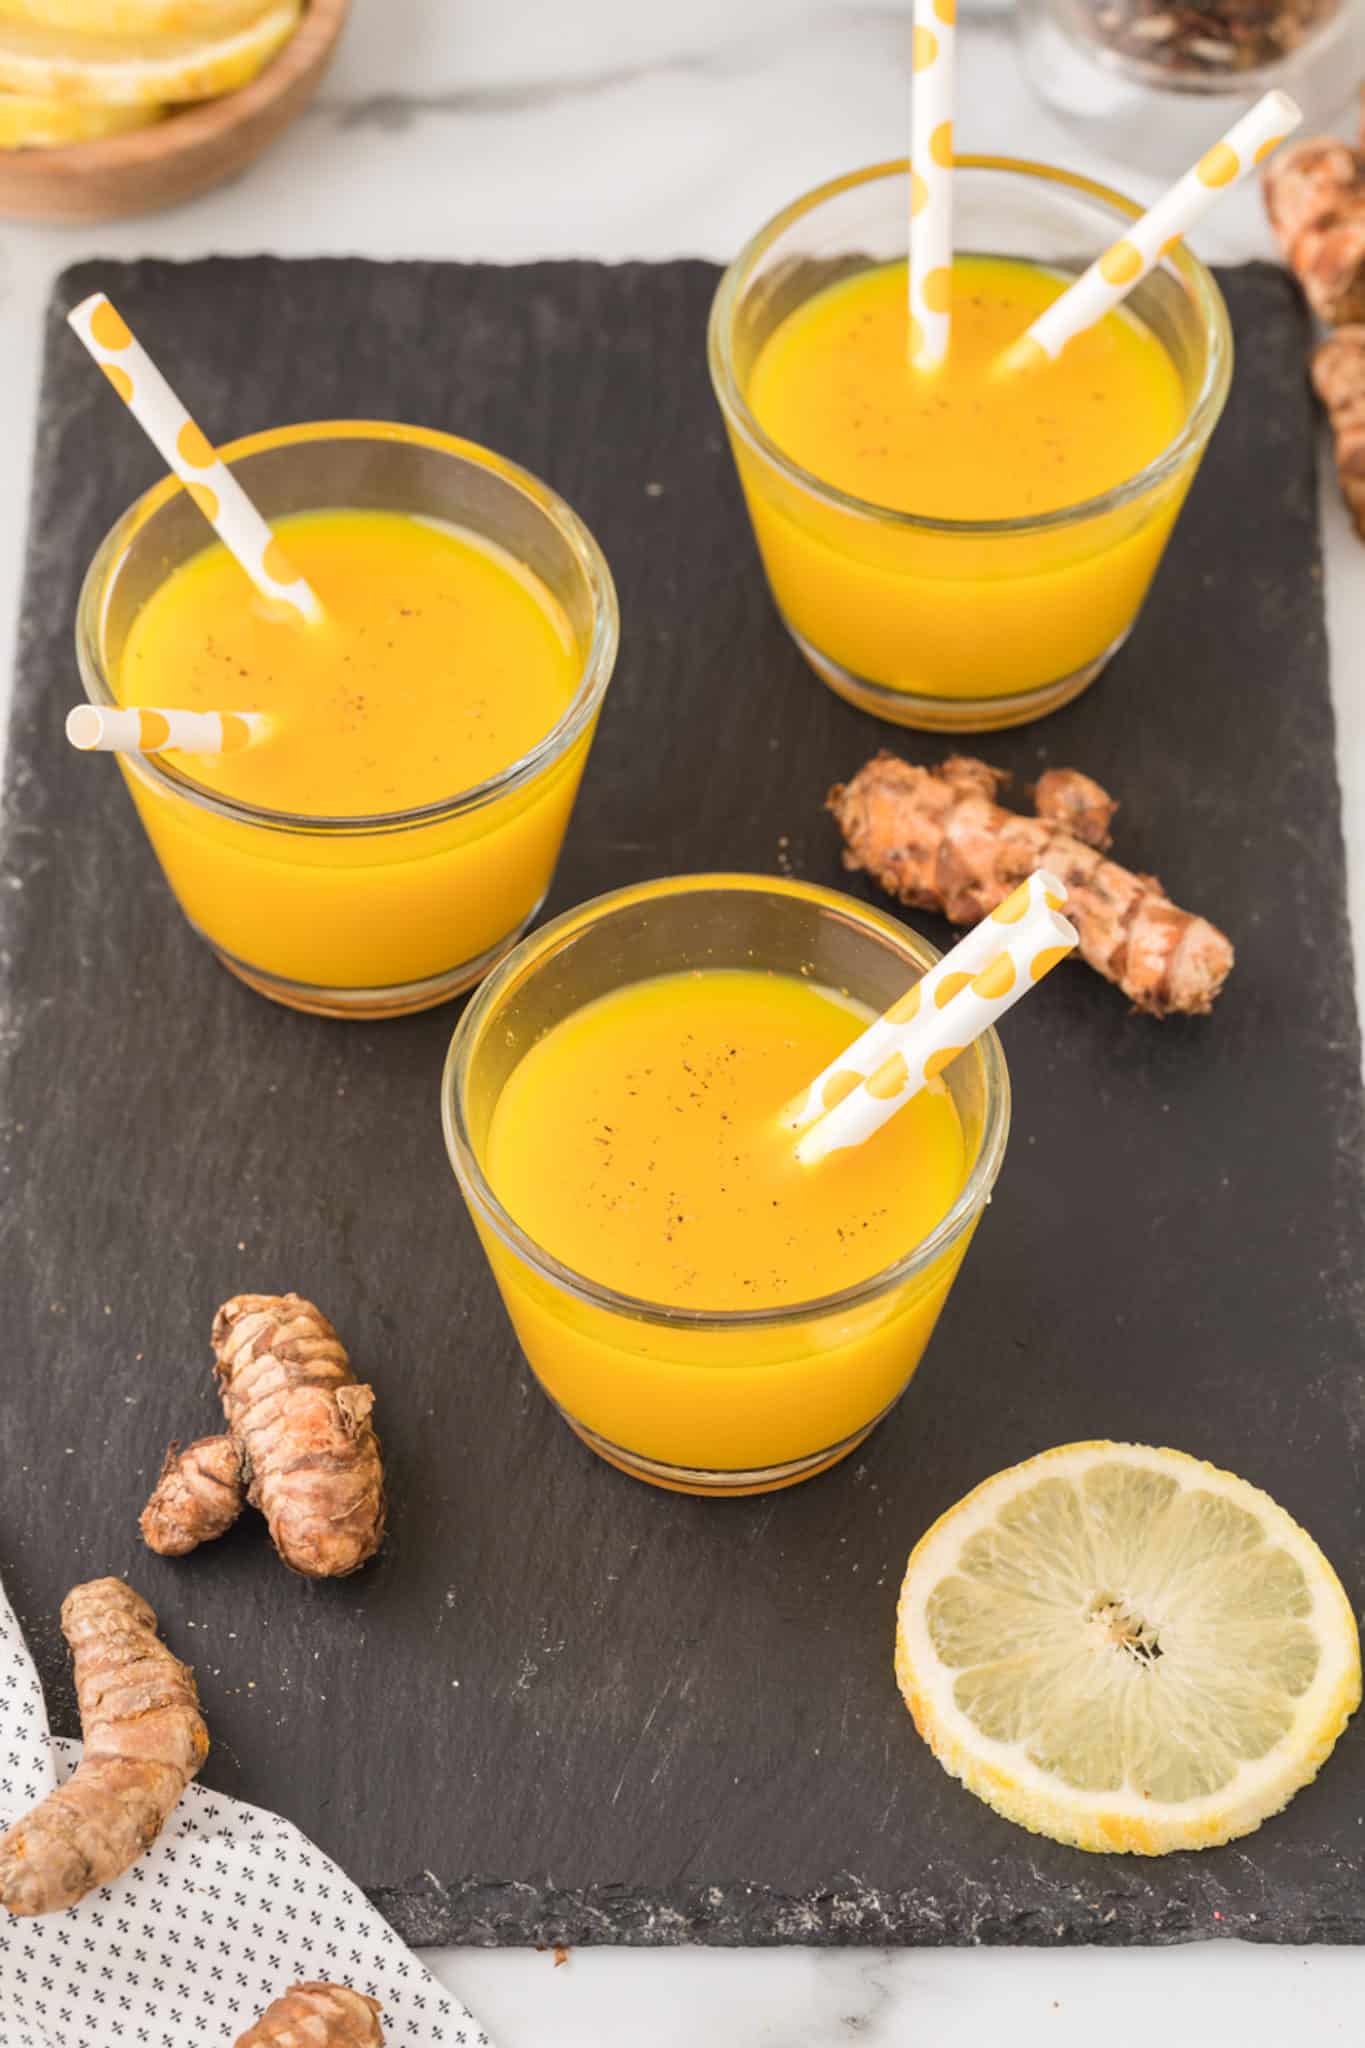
[489, 1912]
[485, 1913]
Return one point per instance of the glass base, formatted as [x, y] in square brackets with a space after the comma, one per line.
[952, 714]
[686, 1479]
[403, 999]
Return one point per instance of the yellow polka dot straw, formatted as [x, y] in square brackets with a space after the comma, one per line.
[1043, 890]
[956, 1003]
[97, 730]
[1126, 262]
[931, 179]
[186, 450]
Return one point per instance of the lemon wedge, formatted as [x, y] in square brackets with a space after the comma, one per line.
[1126, 1649]
[135, 17]
[45, 123]
[105, 70]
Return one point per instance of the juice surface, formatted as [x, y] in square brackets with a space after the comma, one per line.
[672, 1180]
[440, 662]
[834, 388]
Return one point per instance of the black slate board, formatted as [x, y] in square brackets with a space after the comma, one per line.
[562, 1706]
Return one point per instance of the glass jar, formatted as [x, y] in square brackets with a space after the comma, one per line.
[1151, 82]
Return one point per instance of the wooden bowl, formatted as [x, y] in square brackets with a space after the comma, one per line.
[193, 148]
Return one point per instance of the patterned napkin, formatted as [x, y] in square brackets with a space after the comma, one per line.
[228, 1909]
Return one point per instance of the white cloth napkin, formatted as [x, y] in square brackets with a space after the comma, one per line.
[228, 1909]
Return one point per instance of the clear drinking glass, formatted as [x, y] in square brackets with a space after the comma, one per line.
[715, 1402]
[385, 914]
[959, 625]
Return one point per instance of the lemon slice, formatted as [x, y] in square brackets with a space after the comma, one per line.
[47, 63]
[44, 124]
[134, 17]
[1126, 1649]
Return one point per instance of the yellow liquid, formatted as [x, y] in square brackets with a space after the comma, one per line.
[834, 388]
[953, 615]
[440, 662]
[674, 1183]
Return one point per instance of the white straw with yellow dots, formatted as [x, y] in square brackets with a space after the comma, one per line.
[186, 450]
[1126, 262]
[931, 179]
[96, 729]
[943, 1014]
[1042, 890]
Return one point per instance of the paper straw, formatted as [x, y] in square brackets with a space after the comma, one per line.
[186, 450]
[1126, 262]
[931, 180]
[1043, 890]
[934, 1037]
[95, 729]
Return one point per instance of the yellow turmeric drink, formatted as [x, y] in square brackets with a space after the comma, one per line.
[947, 550]
[440, 661]
[834, 388]
[397, 825]
[675, 1185]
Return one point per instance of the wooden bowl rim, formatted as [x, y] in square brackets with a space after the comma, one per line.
[192, 122]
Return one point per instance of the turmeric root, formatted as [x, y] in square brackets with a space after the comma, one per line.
[1315, 197]
[199, 1496]
[300, 1427]
[1339, 380]
[935, 837]
[1066, 797]
[144, 1740]
[317, 2016]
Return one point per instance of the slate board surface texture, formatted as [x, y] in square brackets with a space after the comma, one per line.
[561, 1706]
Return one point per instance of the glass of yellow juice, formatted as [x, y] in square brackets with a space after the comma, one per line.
[955, 549]
[397, 828]
[706, 1313]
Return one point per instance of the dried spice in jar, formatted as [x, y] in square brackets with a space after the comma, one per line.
[1207, 45]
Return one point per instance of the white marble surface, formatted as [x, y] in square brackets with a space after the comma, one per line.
[509, 129]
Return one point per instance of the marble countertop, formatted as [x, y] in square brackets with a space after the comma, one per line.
[483, 129]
